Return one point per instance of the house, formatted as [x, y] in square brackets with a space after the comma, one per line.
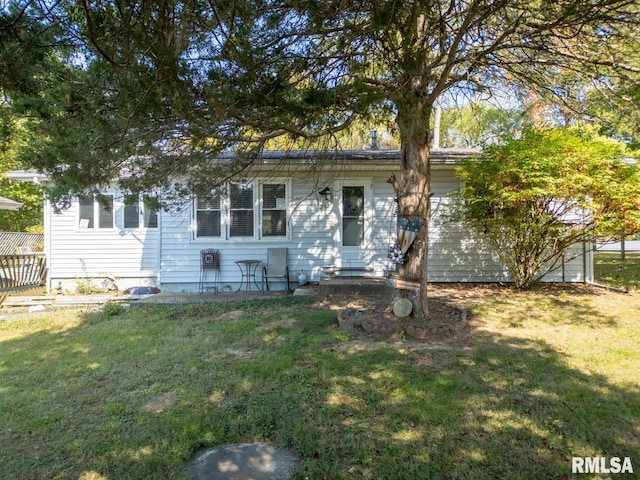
[8, 204]
[343, 214]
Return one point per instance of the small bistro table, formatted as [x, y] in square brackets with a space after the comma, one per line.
[248, 272]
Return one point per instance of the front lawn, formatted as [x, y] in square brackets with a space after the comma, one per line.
[132, 392]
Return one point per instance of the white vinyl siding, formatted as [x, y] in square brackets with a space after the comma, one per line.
[96, 253]
[311, 231]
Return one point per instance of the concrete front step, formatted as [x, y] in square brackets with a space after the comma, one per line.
[353, 286]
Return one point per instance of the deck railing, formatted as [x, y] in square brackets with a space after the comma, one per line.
[21, 272]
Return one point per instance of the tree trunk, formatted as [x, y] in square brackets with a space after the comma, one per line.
[413, 192]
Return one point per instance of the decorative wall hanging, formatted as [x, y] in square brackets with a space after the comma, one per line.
[395, 254]
[402, 283]
[407, 231]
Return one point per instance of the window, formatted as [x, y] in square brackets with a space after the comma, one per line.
[100, 208]
[274, 210]
[241, 210]
[208, 217]
[87, 212]
[149, 217]
[131, 211]
[134, 209]
[249, 211]
[353, 216]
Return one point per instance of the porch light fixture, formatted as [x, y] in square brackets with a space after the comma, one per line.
[325, 199]
[325, 193]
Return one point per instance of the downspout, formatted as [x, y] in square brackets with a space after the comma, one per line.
[47, 239]
[159, 259]
[584, 262]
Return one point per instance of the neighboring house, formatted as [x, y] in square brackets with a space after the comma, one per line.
[8, 204]
[630, 244]
[351, 224]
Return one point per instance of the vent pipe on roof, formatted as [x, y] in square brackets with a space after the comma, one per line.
[437, 114]
[373, 134]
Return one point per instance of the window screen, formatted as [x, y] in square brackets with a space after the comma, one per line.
[274, 210]
[352, 216]
[86, 212]
[208, 217]
[131, 211]
[150, 218]
[105, 211]
[241, 210]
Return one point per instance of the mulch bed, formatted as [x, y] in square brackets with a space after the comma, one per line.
[444, 317]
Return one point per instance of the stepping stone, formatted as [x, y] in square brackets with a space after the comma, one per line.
[243, 461]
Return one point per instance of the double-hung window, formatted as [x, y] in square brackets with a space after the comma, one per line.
[241, 205]
[96, 212]
[208, 217]
[274, 210]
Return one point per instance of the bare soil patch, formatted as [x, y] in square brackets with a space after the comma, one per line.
[377, 317]
[161, 402]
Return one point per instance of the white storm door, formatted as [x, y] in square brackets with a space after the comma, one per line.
[355, 215]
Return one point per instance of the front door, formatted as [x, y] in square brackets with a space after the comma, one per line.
[354, 224]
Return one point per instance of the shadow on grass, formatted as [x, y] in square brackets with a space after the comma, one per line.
[507, 408]
[75, 402]
[554, 304]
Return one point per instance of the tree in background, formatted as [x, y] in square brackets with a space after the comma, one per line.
[162, 87]
[29, 218]
[537, 196]
[476, 124]
[616, 112]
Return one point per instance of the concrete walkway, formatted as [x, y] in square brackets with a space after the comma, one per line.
[159, 298]
[244, 461]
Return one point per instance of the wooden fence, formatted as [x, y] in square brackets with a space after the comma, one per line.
[20, 242]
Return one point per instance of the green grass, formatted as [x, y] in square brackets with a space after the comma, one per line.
[132, 392]
[610, 269]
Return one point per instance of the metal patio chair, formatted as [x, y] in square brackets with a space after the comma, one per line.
[277, 267]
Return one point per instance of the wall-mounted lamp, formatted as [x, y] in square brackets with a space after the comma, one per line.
[325, 198]
[325, 193]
